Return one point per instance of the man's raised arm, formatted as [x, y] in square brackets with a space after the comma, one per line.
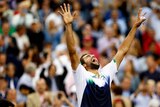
[124, 47]
[68, 19]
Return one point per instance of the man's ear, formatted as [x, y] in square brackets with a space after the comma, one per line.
[85, 66]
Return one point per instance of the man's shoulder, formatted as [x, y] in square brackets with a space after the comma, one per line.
[33, 95]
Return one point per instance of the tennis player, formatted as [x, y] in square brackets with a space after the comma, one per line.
[92, 82]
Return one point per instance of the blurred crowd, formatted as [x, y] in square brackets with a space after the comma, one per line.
[35, 67]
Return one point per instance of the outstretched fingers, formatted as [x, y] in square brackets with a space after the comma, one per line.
[139, 12]
[60, 13]
[65, 8]
[144, 14]
[62, 9]
[68, 8]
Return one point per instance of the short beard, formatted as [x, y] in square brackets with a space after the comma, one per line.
[94, 66]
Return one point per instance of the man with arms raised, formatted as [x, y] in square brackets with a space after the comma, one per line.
[92, 83]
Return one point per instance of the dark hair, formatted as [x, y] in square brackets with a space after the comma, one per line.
[51, 66]
[2, 78]
[82, 60]
[4, 21]
[2, 53]
[117, 90]
[153, 55]
[6, 103]
[104, 54]
[20, 27]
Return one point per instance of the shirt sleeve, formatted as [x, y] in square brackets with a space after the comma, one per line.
[110, 70]
[80, 74]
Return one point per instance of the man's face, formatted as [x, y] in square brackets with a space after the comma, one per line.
[158, 88]
[52, 71]
[5, 28]
[126, 84]
[2, 59]
[91, 61]
[150, 61]
[41, 86]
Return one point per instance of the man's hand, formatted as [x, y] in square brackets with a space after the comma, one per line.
[126, 44]
[66, 14]
[140, 18]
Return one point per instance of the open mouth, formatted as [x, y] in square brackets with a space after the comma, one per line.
[93, 60]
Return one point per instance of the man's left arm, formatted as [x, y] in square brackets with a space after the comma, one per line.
[124, 47]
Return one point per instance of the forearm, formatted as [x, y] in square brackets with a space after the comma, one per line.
[70, 39]
[68, 103]
[71, 47]
[124, 47]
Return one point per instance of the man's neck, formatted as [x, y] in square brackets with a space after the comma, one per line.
[41, 93]
[94, 71]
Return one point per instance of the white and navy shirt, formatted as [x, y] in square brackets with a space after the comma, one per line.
[94, 91]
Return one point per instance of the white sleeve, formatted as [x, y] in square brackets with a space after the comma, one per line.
[110, 70]
[80, 74]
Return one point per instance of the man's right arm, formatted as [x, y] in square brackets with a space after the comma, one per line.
[71, 47]
[68, 19]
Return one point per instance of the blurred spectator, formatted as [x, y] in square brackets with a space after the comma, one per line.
[81, 17]
[155, 20]
[103, 59]
[51, 78]
[41, 98]
[114, 18]
[22, 39]
[86, 31]
[149, 43]
[28, 57]
[52, 35]
[9, 42]
[61, 100]
[88, 46]
[11, 96]
[22, 94]
[64, 70]
[141, 97]
[45, 58]
[118, 103]
[152, 72]
[6, 103]
[154, 103]
[130, 72]
[44, 11]
[54, 19]
[117, 90]
[22, 16]
[114, 4]
[158, 90]
[126, 86]
[3, 87]
[107, 41]
[27, 77]
[3, 59]
[5, 11]
[36, 36]
[97, 27]
[117, 34]
[10, 76]
[151, 85]
[6, 29]
[2, 45]
[31, 56]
